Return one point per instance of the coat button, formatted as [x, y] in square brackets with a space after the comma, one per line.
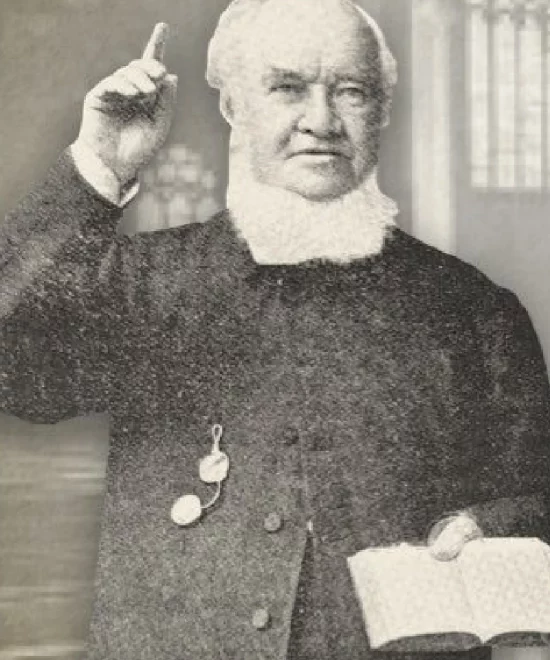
[290, 437]
[261, 619]
[273, 523]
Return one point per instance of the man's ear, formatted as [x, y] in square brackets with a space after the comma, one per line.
[385, 113]
[226, 107]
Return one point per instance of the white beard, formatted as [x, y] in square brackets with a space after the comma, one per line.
[282, 227]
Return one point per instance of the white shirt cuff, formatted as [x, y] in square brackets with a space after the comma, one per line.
[104, 181]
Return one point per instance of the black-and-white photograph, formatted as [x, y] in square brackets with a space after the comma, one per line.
[274, 328]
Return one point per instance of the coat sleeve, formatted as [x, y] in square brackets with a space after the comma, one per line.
[61, 300]
[517, 409]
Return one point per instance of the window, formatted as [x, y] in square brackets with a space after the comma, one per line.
[509, 100]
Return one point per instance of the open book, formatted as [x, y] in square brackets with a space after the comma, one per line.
[497, 591]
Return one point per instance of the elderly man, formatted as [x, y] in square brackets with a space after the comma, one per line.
[288, 384]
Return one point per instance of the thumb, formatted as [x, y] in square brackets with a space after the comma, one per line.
[168, 93]
[448, 544]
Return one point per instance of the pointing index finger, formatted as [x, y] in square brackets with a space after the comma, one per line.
[157, 43]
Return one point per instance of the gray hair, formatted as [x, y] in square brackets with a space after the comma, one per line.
[235, 22]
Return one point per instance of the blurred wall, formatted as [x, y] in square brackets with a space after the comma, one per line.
[502, 230]
[53, 51]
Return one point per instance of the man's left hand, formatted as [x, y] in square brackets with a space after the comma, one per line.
[448, 537]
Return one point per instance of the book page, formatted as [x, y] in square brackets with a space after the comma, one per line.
[508, 583]
[404, 592]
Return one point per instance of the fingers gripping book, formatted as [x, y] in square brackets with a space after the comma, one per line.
[497, 592]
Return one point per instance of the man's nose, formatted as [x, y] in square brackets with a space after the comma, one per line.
[319, 115]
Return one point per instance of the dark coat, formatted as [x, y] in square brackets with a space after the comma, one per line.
[369, 399]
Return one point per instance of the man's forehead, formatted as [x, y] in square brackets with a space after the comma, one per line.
[337, 42]
[287, 11]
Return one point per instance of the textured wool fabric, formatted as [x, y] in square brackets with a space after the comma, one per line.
[368, 399]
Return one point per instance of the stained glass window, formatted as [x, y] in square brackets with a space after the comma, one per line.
[176, 189]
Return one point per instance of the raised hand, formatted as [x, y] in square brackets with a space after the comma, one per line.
[127, 116]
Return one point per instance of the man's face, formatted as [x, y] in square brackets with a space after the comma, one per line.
[311, 106]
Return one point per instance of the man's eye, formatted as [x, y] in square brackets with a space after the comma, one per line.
[353, 94]
[288, 88]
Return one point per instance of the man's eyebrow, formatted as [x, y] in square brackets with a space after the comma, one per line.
[362, 74]
[277, 73]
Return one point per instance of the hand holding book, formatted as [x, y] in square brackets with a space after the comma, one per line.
[496, 591]
[448, 536]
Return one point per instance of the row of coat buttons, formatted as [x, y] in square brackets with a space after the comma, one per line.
[273, 522]
[261, 618]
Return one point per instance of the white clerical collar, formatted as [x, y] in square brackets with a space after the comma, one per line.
[282, 227]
